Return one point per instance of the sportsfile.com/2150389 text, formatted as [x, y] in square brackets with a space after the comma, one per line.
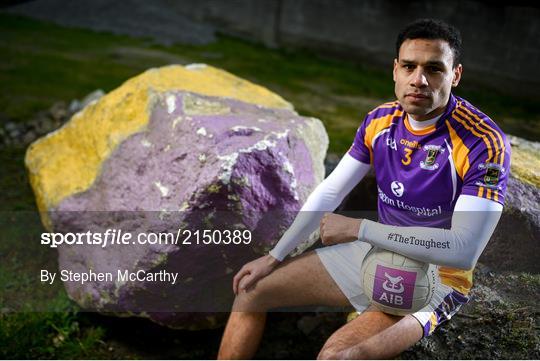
[120, 237]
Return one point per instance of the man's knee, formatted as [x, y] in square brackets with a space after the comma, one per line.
[256, 299]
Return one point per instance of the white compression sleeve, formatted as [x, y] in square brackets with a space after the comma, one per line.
[473, 221]
[326, 197]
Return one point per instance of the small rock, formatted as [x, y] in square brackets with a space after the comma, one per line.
[58, 111]
[29, 137]
[44, 125]
[10, 126]
[14, 133]
[74, 106]
[92, 97]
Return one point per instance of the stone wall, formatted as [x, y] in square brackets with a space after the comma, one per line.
[501, 42]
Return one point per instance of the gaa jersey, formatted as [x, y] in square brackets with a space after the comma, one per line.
[421, 173]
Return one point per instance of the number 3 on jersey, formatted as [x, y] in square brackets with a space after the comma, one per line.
[407, 159]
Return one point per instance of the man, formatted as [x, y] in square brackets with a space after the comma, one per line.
[441, 168]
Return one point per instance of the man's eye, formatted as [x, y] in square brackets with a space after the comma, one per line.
[408, 66]
[434, 69]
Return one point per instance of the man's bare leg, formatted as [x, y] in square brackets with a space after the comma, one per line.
[300, 281]
[373, 335]
[242, 335]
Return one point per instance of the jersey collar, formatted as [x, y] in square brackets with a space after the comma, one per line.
[448, 110]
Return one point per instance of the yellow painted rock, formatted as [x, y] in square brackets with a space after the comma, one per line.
[68, 161]
[525, 160]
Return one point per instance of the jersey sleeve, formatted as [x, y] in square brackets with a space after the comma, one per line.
[489, 168]
[374, 124]
[361, 149]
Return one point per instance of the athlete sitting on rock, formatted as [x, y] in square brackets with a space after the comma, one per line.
[441, 167]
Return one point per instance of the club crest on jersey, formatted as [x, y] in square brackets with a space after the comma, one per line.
[431, 157]
[492, 175]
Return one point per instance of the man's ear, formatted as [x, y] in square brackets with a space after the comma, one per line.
[458, 70]
[395, 69]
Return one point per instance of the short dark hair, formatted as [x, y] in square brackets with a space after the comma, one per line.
[432, 29]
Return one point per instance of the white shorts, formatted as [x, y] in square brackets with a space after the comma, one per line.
[344, 262]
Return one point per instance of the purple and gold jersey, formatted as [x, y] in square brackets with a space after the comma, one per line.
[420, 174]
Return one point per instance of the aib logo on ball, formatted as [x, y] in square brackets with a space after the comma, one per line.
[394, 287]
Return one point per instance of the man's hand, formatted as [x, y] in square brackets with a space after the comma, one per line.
[253, 271]
[339, 229]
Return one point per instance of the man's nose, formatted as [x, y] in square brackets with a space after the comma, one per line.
[419, 79]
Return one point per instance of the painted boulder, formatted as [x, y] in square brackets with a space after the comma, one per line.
[212, 165]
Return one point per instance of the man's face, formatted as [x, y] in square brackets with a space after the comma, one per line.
[424, 76]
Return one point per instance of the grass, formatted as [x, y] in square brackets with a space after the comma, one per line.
[57, 334]
[37, 320]
[16, 193]
[44, 63]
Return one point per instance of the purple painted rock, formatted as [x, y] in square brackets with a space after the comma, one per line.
[215, 169]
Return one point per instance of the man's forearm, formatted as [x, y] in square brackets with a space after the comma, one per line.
[336, 229]
[431, 245]
[459, 247]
